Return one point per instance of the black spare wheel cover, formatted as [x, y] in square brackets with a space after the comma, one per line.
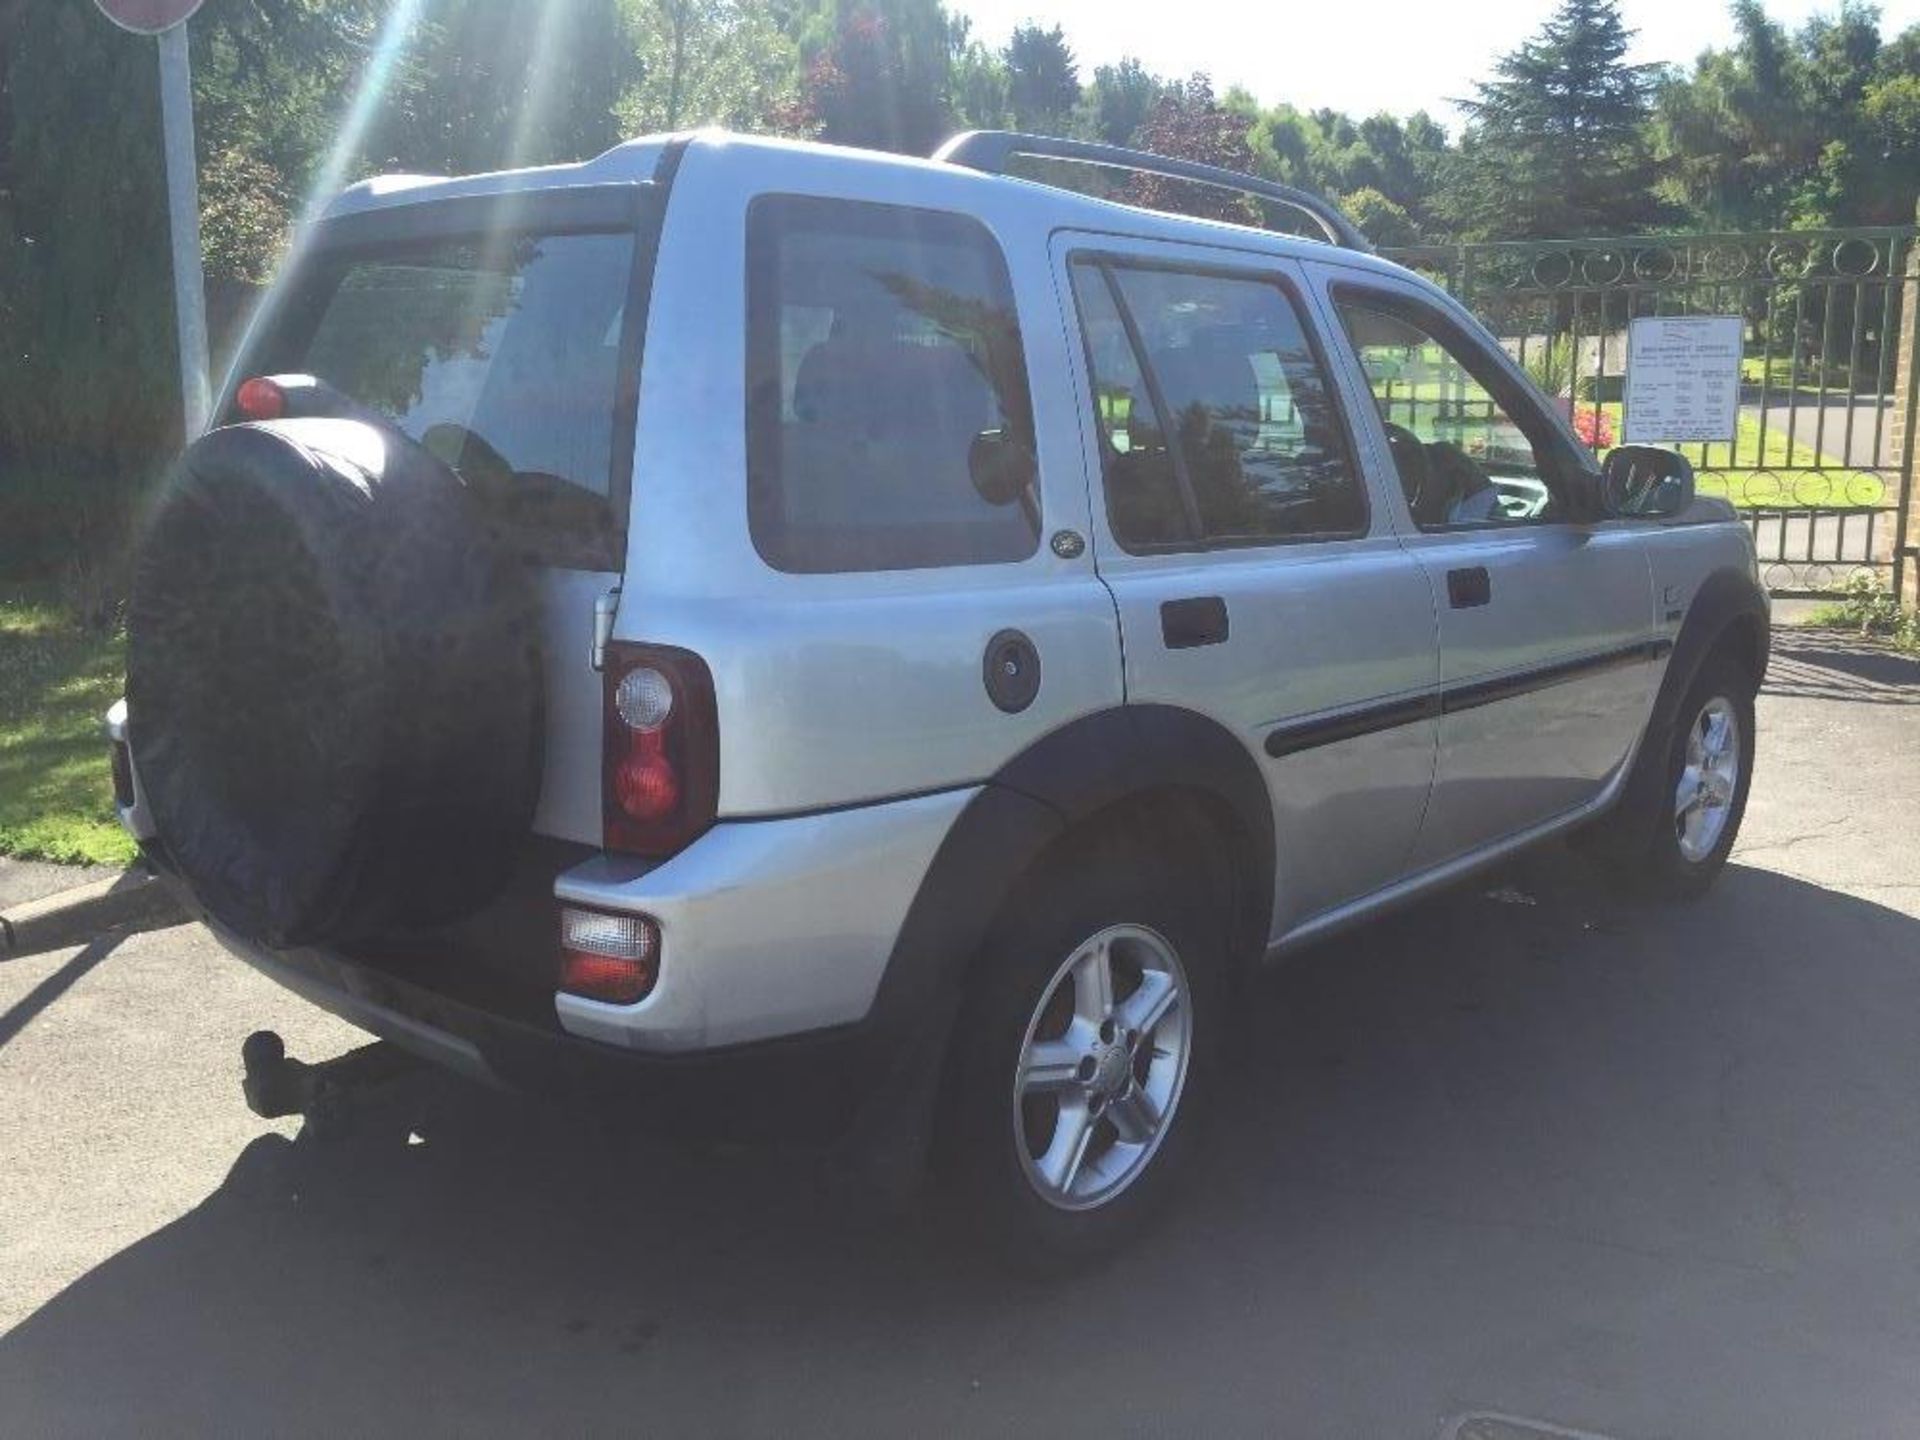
[333, 687]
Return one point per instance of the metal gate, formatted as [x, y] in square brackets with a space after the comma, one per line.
[1819, 466]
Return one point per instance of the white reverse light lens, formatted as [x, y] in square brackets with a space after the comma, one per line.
[596, 932]
[644, 699]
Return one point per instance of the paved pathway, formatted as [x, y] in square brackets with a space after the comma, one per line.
[22, 880]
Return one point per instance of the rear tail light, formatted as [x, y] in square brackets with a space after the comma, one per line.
[608, 956]
[660, 769]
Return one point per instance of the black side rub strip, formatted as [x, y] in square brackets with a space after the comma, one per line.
[1506, 687]
[1313, 733]
[1310, 734]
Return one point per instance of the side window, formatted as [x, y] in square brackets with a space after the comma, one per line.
[1146, 504]
[882, 352]
[1461, 458]
[1216, 420]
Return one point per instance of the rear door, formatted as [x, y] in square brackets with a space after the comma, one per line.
[1256, 579]
[1545, 617]
[502, 332]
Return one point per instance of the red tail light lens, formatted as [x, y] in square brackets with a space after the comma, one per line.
[660, 771]
[260, 399]
[647, 785]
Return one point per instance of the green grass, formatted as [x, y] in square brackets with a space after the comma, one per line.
[56, 681]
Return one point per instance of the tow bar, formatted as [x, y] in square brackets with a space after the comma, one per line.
[323, 1093]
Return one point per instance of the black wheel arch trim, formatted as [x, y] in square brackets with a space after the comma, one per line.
[1728, 602]
[1061, 780]
[1726, 599]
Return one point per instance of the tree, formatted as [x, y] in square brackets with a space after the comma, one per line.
[482, 86]
[1115, 105]
[978, 80]
[1556, 143]
[1803, 129]
[83, 312]
[1890, 109]
[980, 90]
[1400, 164]
[1382, 221]
[1043, 80]
[706, 62]
[1284, 142]
[244, 214]
[85, 289]
[877, 73]
[267, 87]
[1187, 123]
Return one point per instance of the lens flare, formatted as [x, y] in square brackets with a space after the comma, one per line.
[388, 47]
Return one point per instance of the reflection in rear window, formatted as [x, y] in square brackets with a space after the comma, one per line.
[501, 355]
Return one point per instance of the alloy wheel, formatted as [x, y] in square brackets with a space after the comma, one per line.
[1709, 778]
[1102, 1067]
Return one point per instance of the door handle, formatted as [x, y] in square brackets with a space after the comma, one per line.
[1200, 620]
[1469, 587]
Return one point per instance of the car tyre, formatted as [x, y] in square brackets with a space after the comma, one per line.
[1094, 1017]
[333, 667]
[1677, 841]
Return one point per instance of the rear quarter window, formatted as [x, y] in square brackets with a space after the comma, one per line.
[882, 344]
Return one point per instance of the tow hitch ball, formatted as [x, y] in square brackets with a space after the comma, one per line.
[276, 1086]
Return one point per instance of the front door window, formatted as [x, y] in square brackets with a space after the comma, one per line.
[1462, 458]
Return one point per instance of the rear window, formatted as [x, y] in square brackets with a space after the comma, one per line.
[882, 347]
[501, 354]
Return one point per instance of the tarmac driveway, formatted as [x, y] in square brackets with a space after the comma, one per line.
[1641, 1172]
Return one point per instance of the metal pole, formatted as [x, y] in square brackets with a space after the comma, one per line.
[183, 213]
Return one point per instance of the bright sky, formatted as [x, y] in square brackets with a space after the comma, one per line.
[1360, 56]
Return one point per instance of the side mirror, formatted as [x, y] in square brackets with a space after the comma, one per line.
[1642, 482]
[1002, 468]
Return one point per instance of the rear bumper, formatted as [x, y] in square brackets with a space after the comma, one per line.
[775, 936]
[811, 1090]
[768, 928]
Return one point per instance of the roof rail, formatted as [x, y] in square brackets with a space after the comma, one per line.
[992, 151]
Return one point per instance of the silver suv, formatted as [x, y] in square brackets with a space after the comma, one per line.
[814, 643]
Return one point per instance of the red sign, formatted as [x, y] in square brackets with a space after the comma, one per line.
[147, 17]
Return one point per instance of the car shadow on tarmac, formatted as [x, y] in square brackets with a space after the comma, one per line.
[1456, 1138]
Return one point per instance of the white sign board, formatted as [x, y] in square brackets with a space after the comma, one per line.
[1683, 378]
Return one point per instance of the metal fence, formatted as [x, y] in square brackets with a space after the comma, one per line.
[1819, 466]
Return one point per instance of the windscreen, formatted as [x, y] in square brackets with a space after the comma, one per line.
[500, 354]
